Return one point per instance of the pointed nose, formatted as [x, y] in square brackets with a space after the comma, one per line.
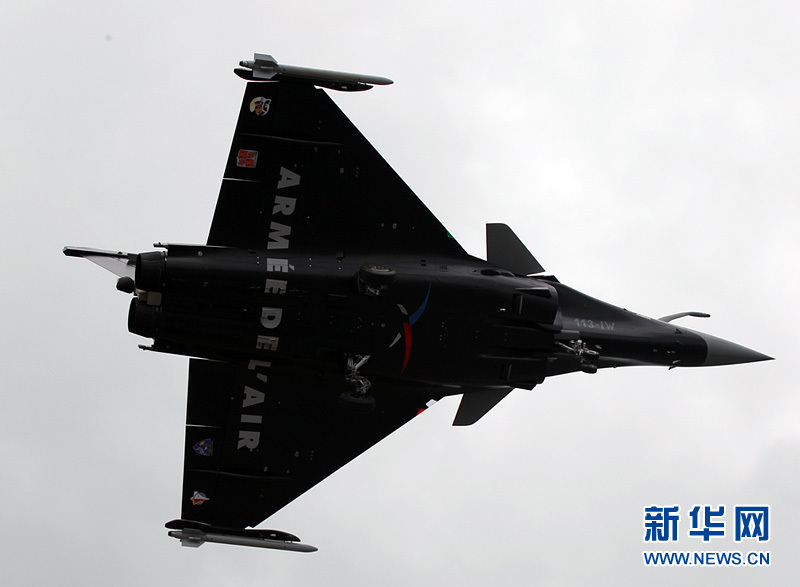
[725, 352]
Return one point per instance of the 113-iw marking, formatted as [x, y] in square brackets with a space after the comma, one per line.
[599, 324]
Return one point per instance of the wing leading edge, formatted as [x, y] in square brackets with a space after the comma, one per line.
[345, 196]
[256, 440]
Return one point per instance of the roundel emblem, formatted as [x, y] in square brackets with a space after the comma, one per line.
[260, 106]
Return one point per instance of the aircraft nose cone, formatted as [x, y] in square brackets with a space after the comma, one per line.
[725, 352]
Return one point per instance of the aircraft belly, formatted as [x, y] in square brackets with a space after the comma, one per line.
[430, 329]
[423, 322]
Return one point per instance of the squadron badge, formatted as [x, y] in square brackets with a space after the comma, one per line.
[199, 498]
[246, 158]
[204, 448]
[260, 106]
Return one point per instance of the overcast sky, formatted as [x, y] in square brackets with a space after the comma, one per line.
[646, 152]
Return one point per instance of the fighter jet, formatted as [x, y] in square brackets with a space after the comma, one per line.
[328, 307]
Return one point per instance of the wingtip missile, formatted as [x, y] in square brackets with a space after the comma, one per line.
[195, 534]
[265, 68]
[196, 538]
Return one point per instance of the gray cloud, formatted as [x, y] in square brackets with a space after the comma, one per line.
[646, 154]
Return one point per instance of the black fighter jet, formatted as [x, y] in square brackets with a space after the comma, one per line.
[329, 307]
